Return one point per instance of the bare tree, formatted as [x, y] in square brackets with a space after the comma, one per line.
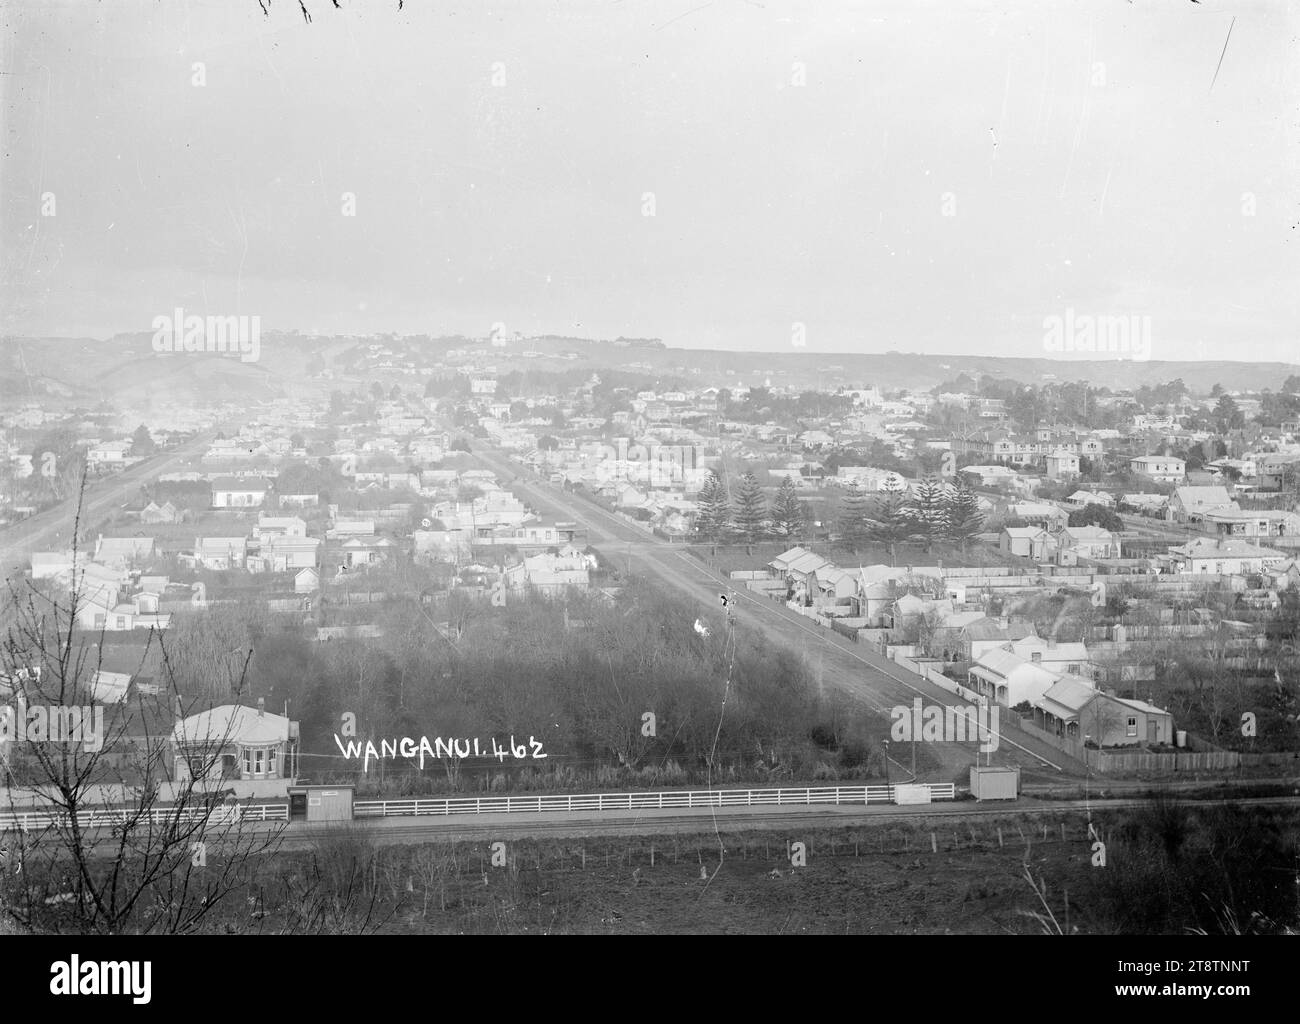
[101, 839]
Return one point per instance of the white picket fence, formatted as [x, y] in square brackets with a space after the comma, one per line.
[641, 801]
[224, 814]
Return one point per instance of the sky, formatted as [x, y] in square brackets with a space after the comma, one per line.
[936, 177]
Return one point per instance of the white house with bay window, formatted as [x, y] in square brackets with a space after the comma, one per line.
[235, 742]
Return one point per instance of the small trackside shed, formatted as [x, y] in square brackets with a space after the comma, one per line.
[994, 783]
[320, 803]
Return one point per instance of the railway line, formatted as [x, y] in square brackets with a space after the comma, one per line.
[872, 681]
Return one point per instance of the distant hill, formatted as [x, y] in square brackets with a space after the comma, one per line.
[125, 371]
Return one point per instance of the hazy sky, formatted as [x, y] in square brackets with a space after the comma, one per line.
[949, 175]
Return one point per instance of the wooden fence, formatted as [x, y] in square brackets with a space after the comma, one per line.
[642, 801]
[1106, 761]
[225, 814]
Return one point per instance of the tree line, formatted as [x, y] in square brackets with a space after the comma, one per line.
[934, 510]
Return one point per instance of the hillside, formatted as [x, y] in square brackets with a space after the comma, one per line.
[124, 369]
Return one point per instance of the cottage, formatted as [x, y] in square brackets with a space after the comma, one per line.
[122, 552]
[279, 526]
[833, 589]
[1037, 513]
[1086, 542]
[1059, 656]
[1161, 468]
[1073, 709]
[164, 513]
[962, 638]
[220, 553]
[1223, 556]
[235, 742]
[358, 551]
[1079, 499]
[353, 528]
[234, 492]
[1259, 523]
[780, 565]
[1146, 504]
[1004, 678]
[286, 553]
[1027, 542]
[1062, 464]
[109, 453]
[1189, 504]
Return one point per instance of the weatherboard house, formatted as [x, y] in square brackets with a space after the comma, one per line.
[234, 742]
[234, 492]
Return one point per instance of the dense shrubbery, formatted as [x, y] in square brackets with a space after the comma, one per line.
[581, 692]
[1175, 868]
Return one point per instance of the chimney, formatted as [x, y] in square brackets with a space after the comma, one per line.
[261, 706]
[176, 706]
[1003, 621]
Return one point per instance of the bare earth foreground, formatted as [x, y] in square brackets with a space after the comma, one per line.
[969, 886]
[931, 876]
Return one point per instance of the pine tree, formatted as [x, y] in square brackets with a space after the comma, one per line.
[713, 510]
[963, 518]
[853, 519]
[142, 443]
[927, 510]
[889, 521]
[751, 509]
[787, 513]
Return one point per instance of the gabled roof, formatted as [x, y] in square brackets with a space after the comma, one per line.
[1088, 533]
[1141, 705]
[1003, 663]
[1203, 497]
[960, 620]
[832, 574]
[807, 563]
[786, 557]
[986, 628]
[1061, 650]
[1066, 698]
